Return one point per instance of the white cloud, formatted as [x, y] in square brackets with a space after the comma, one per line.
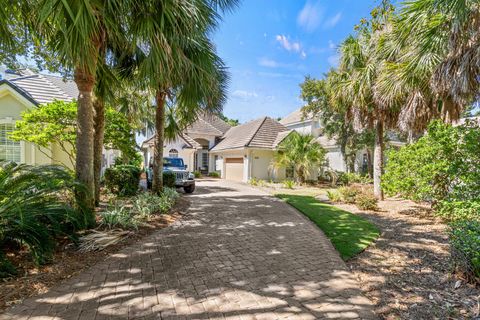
[269, 63]
[331, 45]
[292, 46]
[244, 95]
[310, 17]
[332, 21]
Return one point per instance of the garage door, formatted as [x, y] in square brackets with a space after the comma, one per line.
[234, 169]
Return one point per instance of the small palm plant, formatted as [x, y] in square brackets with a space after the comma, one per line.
[36, 207]
[301, 152]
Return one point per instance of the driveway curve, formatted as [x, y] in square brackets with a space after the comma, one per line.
[238, 253]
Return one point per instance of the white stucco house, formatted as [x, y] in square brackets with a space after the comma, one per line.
[21, 90]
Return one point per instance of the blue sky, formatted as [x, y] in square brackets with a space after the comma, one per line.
[270, 45]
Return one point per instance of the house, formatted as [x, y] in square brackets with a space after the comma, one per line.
[246, 151]
[311, 125]
[236, 153]
[193, 144]
[20, 91]
[334, 157]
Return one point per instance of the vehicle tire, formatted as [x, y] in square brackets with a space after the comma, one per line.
[189, 189]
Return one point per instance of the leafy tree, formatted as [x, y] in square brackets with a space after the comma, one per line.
[55, 123]
[334, 120]
[301, 152]
[231, 122]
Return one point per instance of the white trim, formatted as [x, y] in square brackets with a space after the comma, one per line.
[7, 89]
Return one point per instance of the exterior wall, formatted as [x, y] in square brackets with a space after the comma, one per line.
[184, 153]
[335, 159]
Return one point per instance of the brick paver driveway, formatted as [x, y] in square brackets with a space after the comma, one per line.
[237, 254]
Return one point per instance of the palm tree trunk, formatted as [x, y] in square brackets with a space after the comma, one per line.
[99, 120]
[157, 186]
[378, 160]
[369, 163]
[85, 81]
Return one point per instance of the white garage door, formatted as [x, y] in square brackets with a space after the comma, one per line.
[234, 169]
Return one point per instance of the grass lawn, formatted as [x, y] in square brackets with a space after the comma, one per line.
[349, 233]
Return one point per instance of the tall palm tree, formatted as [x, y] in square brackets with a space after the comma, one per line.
[179, 60]
[75, 33]
[301, 152]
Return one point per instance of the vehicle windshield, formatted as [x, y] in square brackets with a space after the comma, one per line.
[173, 162]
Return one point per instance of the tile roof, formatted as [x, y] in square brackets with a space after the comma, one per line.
[189, 142]
[208, 124]
[43, 88]
[294, 117]
[259, 133]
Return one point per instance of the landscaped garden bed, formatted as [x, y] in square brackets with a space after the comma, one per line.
[68, 261]
[407, 272]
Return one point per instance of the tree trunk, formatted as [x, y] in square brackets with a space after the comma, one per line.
[85, 81]
[378, 160]
[369, 163]
[157, 186]
[99, 120]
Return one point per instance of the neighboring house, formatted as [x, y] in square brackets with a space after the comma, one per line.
[193, 145]
[20, 91]
[334, 157]
[296, 121]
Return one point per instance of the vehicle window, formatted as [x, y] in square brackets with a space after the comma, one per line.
[173, 162]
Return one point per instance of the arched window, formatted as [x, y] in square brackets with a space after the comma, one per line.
[173, 153]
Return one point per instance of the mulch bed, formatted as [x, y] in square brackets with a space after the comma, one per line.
[407, 272]
[68, 262]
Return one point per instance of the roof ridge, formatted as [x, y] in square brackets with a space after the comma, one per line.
[209, 124]
[256, 131]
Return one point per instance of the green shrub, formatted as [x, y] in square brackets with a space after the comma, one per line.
[253, 181]
[118, 217]
[366, 200]
[288, 184]
[334, 196]
[465, 244]
[122, 180]
[147, 204]
[36, 208]
[440, 166]
[214, 174]
[7, 269]
[459, 210]
[169, 179]
[197, 174]
[348, 194]
[348, 178]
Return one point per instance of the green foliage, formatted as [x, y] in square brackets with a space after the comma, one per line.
[122, 180]
[169, 179]
[231, 122]
[7, 269]
[366, 201]
[118, 217]
[459, 210]
[465, 243]
[197, 174]
[134, 159]
[334, 196]
[146, 204]
[288, 184]
[55, 122]
[256, 182]
[347, 178]
[301, 152]
[349, 233]
[443, 165]
[214, 174]
[37, 207]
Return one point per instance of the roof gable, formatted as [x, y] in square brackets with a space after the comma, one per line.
[28, 99]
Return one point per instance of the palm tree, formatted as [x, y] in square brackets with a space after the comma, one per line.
[301, 152]
[178, 60]
[75, 34]
[447, 32]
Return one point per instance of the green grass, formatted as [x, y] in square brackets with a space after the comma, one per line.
[350, 234]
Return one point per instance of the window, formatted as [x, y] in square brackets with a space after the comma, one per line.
[9, 150]
[173, 153]
[205, 160]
